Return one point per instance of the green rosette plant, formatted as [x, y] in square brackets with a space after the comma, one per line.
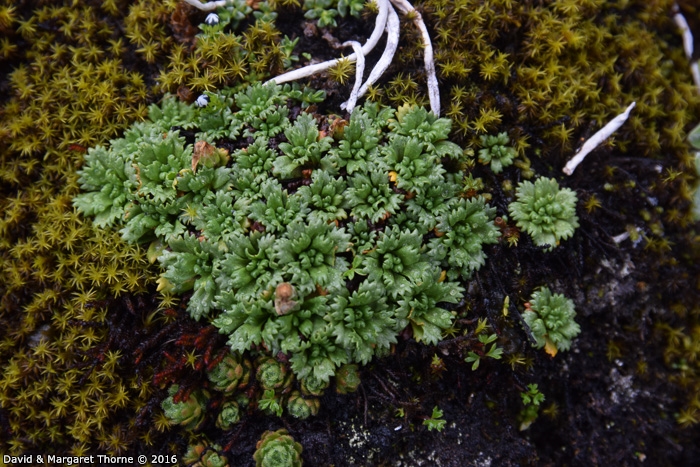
[204, 455]
[312, 386]
[229, 415]
[261, 111]
[326, 11]
[395, 262]
[302, 407]
[545, 211]
[189, 266]
[414, 168]
[496, 152]
[315, 350]
[308, 255]
[370, 196]
[550, 318]
[304, 148]
[272, 374]
[277, 449]
[248, 266]
[321, 242]
[231, 373]
[425, 126]
[464, 226]
[358, 142]
[188, 413]
[347, 379]
[362, 322]
[419, 307]
[279, 209]
[324, 196]
[105, 180]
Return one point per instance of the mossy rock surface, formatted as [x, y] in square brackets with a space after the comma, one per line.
[88, 327]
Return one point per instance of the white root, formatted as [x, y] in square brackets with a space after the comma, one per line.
[621, 238]
[687, 43]
[685, 31]
[595, 140]
[209, 6]
[433, 89]
[392, 43]
[359, 71]
[386, 19]
[695, 71]
[311, 70]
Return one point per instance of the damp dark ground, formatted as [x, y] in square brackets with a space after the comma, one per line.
[600, 407]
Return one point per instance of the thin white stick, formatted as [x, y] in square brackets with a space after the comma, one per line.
[695, 71]
[685, 32]
[310, 70]
[359, 71]
[392, 43]
[625, 235]
[621, 238]
[433, 89]
[687, 43]
[209, 6]
[595, 140]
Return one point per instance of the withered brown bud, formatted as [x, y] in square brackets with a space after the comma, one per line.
[284, 298]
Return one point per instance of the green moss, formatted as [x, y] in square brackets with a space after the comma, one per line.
[80, 75]
[547, 72]
[70, 87]
[226, 54]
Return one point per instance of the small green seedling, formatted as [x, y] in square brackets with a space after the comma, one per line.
[270, 403]
[494, 351]
[532, 398]
[435, 422]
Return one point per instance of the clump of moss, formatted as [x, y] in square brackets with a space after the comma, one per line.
[74, 83]
[565, 64]
[245, 46]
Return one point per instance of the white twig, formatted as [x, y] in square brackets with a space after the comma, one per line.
[359, 71]
[209, 6]
[310, 70]
[392, 43]
[621, 238]
[627, 234]
[687, 43]
[595, 140]
[695, 71]
[685, 32]
[433, 89]
[386, 18]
